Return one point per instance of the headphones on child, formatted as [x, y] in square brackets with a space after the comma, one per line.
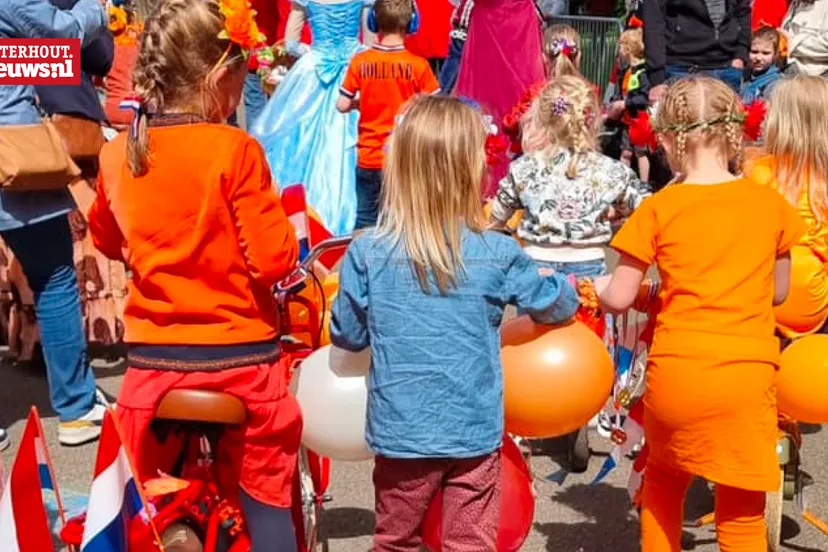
[413, 25]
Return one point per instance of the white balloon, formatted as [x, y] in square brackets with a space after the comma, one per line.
[331, 388]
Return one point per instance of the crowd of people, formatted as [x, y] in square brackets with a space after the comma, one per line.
[400, 121]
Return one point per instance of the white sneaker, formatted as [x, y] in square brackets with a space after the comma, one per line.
[87, 428]
[100, 398]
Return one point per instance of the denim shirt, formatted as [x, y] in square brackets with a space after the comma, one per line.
[39, 19]
[435, 386]
[760, 86]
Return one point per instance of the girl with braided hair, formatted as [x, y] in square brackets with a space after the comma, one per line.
[561, 57]
[570, 193]
[710, 406]
[188, 203]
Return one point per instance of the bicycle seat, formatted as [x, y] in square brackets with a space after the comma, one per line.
[196, 405]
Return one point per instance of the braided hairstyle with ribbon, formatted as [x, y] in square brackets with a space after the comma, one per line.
[700, 111]
[566, 111]
[562, 49]
[180, 53]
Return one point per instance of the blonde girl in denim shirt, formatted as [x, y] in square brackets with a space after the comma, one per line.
[426, 291]
[570, 193]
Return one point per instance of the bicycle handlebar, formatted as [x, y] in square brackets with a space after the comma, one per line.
[323, 247]
[295, 281]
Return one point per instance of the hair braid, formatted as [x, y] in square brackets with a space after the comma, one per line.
[733, 133]
[578, 124]
[700, 112]
[180, 48]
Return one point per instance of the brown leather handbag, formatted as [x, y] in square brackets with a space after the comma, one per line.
[83, 137]
[34, 158]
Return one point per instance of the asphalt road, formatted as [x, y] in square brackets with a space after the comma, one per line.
[570, 516]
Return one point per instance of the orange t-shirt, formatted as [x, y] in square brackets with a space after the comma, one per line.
[715, 247]
[203, 232]
[383, 79]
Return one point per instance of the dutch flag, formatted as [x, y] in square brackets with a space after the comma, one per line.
[114, 500]
[24, 526]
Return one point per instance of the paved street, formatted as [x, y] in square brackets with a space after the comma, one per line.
[571, 516]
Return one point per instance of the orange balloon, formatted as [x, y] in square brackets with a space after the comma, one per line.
[556, 378]
[802, 382]
[803, 311]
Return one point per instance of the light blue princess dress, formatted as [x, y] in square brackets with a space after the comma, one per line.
[305, 138]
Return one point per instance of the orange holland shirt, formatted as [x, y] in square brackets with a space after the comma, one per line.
[715, 247]
[383, 78]
[203, 232]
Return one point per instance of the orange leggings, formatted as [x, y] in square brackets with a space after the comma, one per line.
[740, 514]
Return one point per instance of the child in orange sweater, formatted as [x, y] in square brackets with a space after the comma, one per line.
[710, 407]
[378, 82]
[188, 204]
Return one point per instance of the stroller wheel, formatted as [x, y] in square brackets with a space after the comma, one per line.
[180, 537]
[578, 450]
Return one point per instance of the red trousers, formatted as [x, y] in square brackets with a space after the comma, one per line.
[259, 457]
[471, 502]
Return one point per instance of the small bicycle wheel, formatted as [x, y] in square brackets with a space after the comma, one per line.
[578, 450]
[180, 537]
[311, 504]
[773, 514]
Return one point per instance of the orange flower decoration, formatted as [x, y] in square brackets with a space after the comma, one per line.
[240, 24]
[117, 19]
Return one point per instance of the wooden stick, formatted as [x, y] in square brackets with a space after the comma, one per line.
[815, 521]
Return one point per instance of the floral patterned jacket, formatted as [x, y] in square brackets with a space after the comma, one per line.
[562, 211]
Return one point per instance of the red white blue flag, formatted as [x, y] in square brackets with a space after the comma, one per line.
[24, 525]
[114, 500]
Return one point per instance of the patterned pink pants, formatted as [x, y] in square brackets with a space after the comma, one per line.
[471, 502]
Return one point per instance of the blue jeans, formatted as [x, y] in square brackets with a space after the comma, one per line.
[368, 186]
[45, 254]
[270, 528]
[254, 99]
[584, 269]
[451, 67]
[729, 75]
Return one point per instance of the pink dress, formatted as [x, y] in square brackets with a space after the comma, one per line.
[502, 58]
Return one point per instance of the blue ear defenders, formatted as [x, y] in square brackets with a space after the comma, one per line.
[413, 25]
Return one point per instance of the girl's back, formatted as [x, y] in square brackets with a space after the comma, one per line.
[426, 292]
[716, 263]
[192, 231]
[436, 383]
[561, 210]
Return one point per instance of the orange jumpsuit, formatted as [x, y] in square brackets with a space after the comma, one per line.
[710, 406]
[806, 309]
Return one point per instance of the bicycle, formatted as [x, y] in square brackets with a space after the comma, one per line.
[188, 511]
